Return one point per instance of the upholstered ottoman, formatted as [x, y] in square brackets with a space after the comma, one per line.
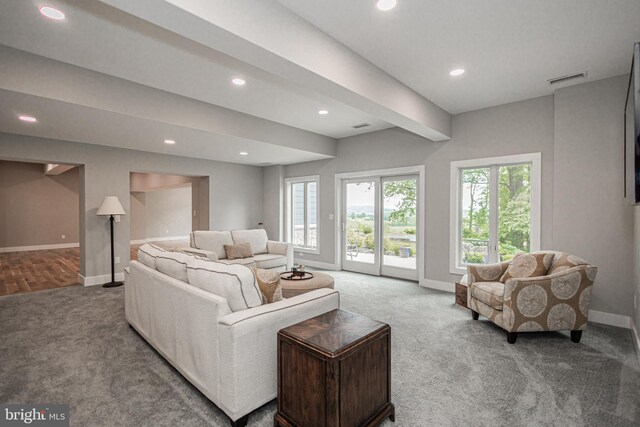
[291, 288]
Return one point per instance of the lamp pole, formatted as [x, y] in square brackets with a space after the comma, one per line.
[113, 283]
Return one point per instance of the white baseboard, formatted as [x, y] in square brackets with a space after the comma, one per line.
[98, 280]
[610, 319]
[437, 284]
[636, 341]
[315, 264]
[158, 239]
[39, 247]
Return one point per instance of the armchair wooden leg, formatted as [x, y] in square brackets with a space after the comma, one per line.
[475, 315]
[576, 335]
[511, 337]
[240, 422]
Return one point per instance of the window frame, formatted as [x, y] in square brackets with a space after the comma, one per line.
[534, 159]
[289, 182]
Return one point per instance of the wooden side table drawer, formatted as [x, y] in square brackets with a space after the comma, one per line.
[461, 294]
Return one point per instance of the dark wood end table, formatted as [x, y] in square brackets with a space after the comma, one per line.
[334, 370]
[461, 294]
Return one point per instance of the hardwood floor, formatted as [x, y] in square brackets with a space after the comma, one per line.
[38, 270]
[50, 269]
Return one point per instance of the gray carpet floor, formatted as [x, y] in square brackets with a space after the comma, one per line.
[73, 346]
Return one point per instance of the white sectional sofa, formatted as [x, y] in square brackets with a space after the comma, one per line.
[208, 320]
[268, 254]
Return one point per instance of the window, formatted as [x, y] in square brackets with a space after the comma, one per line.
[302, 213]
[495, 209]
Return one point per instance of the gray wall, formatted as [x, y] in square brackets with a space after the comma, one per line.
[37, 209]
[161, 213]
[591, 218]
[137, 200]
[522, 127]
[273, 201]
[579, 133]
[235, 191]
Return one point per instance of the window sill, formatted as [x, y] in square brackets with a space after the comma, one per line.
[306, 250]
[458, 270]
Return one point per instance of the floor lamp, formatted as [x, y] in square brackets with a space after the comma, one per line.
[111, 206]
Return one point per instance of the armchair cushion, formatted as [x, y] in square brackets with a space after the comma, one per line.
[528, 265]
[490, 293]
[486, 273]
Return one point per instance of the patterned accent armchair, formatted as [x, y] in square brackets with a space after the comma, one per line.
[557, 301]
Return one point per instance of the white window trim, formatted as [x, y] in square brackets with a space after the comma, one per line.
[288, 232]
[535, 159]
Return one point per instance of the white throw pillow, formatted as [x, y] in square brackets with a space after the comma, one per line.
[174, 264]
[148, 253]
[236, 283]
[256, 238]
[212, 241]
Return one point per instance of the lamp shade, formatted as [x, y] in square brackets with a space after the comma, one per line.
[111, 206]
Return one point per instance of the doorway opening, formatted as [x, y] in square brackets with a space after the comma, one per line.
[165, 209]
[39, 226]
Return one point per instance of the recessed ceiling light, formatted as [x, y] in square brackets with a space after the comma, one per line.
[386, 5]
[52, 13]
[244, 153]
[456, 72]
[29, 119]
[238, 81]
[169, 141]
[323, 112]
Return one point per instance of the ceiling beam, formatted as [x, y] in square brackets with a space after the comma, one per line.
[34, 75]
[269, 36]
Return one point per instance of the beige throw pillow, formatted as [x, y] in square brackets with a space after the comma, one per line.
[528, 265]
[269, 283]
[241, 250]
[565, 262]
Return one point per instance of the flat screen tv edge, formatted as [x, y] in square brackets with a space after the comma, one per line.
[632, 132]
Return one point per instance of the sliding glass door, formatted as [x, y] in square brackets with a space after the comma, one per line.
[399, 227]
[379, 228]
[360, 226]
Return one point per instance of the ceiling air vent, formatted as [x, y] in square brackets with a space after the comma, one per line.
[361, 125]
[566, 78]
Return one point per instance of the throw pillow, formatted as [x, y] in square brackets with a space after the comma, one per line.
[528, 265]
[241, 250]
[565, 262]
[269, 283]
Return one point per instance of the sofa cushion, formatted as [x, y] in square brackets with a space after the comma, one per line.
[490, 293]
[270, 261]
[147, 254]
[528, 265]
[249, 262]
[565, 261]
[238, 251]
[236, 283]
[269, 283]
[173, 264]
[257, 238]
[213, 241]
